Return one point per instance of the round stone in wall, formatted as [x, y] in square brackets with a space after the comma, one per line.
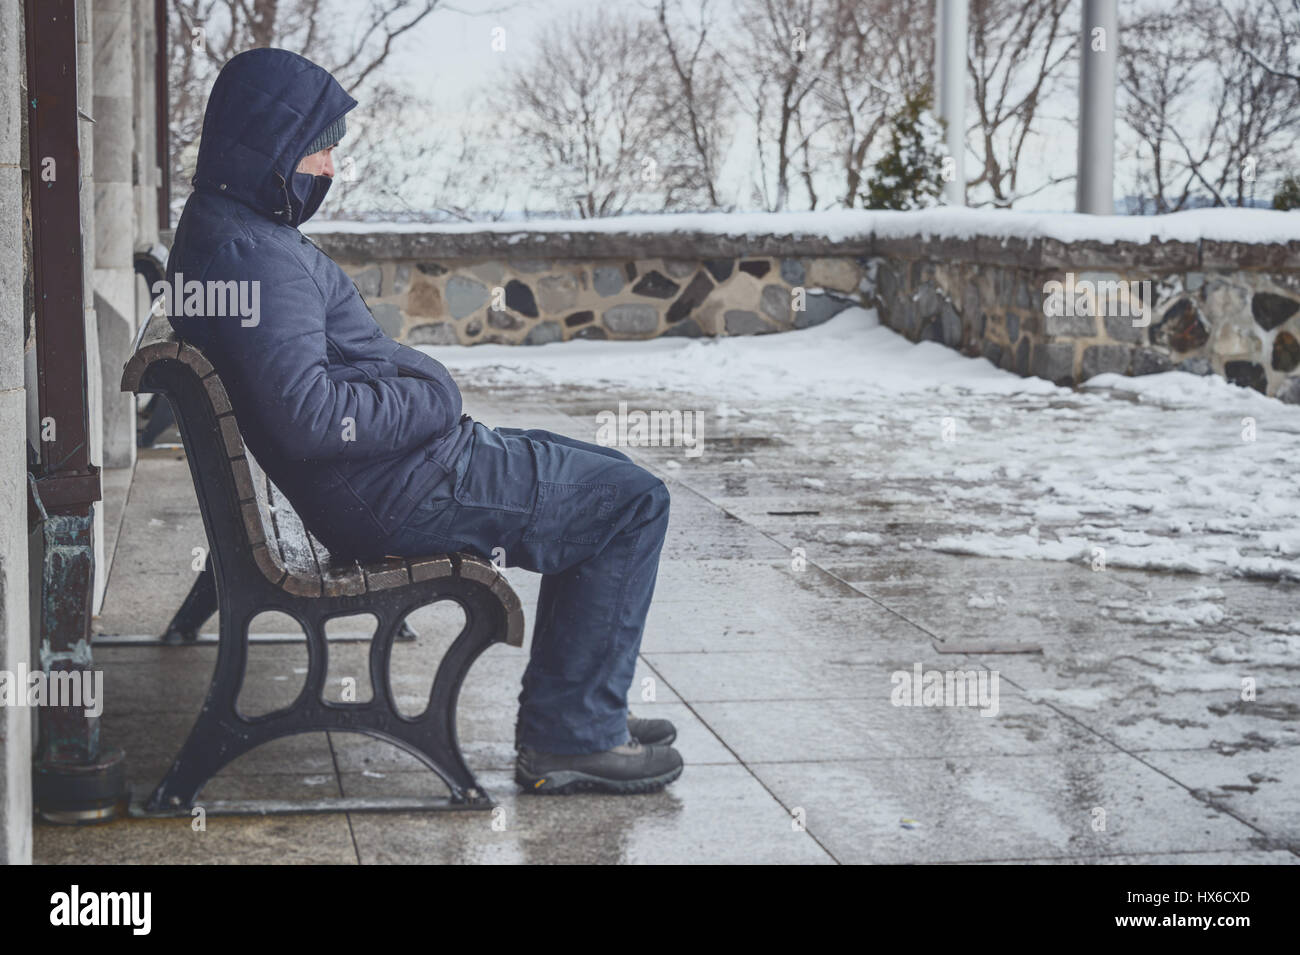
[775, 303]
[632, 319]
[1247, 374]
[557, 292]
[818, 308]
[1290, 391]
[607, 281]
[433, 333]
[543, 333]
[464, 296]
[1286, 352]
[656, 285]
[743, 322]
[1271, 310]
[504, 319]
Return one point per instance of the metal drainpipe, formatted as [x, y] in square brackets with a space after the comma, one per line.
[76, 778]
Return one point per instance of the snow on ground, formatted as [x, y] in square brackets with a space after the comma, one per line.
[1228, 225]
[1170, 471]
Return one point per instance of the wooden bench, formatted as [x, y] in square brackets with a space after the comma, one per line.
[263, 559]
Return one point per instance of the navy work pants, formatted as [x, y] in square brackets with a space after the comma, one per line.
[592, 523]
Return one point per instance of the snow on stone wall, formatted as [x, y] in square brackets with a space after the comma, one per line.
[1059, 296]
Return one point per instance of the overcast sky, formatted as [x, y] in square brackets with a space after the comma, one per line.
[448, 58]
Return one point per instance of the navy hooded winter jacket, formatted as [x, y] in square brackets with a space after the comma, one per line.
[352, 426]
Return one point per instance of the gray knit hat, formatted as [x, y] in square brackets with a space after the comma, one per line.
[329, 136]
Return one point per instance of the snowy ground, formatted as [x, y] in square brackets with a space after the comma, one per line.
[1168, 472]
[826, 540]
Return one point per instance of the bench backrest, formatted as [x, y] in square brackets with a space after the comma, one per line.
[232, 488]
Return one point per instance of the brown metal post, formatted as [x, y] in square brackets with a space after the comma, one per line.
[76, 779]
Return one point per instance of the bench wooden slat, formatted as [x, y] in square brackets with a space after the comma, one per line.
[137, 363]
[427, 568]
[191, 356]
[303, 575]
[476, 568]
[339, 578]
[217, 394]
[157, 339]
[230, 436]
[243, 479]
[270, 566]
[386, 573]
[257, 520]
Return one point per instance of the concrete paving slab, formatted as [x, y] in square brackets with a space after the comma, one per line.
[227, 840]
[999, 807]
[712, 814]
[1259, 787]
[859, 671]
[819, 730]
[1220, 721]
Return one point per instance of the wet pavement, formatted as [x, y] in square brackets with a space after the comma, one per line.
[794, 595]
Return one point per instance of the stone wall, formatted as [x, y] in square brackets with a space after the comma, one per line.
[954, 276]
[1226, 308]
[693, 287]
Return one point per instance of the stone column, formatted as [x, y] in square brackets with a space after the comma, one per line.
[94, 369]
[115, 225]
[15, 634]
[147, 174]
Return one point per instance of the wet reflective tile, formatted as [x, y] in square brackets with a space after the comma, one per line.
[712, 814]
[1000, 807]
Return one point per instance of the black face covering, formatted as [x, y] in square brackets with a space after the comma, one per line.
[306, 195]
[319, 187]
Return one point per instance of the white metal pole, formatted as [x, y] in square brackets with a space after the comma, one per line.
[1098, 53]
[950, 90]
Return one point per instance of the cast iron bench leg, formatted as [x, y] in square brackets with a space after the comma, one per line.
[199, 605]
[221, 734]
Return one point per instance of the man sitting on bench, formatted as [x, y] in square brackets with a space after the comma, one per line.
[366, 438]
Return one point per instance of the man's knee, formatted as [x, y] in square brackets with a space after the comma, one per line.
[655, 499]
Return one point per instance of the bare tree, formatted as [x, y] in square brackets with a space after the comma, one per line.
[696, 99]
[433, 172]
[881, 57]
[1277, 51]
[774, 69]
[1160, 72]
[1210, 113]
[350, 39]
[586, 117]
[1018, 51]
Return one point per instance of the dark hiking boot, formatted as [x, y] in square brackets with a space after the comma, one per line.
[630, 768]
[651, 732]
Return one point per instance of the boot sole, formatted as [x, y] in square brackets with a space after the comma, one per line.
[571, 781]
